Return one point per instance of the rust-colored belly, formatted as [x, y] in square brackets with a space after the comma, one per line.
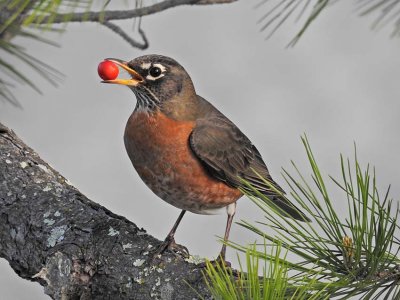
[159, 150]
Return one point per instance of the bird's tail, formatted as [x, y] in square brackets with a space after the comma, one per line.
[287, 208]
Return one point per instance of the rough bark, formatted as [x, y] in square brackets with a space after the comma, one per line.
[75, 248]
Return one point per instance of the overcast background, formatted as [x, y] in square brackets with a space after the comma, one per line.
[340, 84]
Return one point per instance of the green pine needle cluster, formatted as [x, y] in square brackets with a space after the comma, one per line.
[278, 12]
[20, 18]
[342, 255]
[272, 284]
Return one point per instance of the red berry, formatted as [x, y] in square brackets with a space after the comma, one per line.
[107, 70]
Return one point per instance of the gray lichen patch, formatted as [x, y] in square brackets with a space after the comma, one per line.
[126, 246]
[158, 281]
[56, 235]
[38, 180]
[58, 189]
[138, 262]
[195, 259]
[47, 188]
[138, 279]
[24, 164]
[49, 221]
[13, 233]
[44, 168]
[112, 231]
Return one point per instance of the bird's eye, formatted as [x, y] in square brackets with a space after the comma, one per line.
[155, 72]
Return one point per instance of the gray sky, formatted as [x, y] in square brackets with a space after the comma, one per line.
[340, 84]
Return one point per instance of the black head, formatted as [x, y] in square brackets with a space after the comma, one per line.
[156, 79]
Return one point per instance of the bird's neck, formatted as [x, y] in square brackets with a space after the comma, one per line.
[183, 106]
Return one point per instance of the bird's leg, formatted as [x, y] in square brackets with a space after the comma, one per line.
[169, 242]
[231, 210]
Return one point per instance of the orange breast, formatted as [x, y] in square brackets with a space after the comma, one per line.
[160, 152]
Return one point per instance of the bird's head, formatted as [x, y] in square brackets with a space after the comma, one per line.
[156, 80]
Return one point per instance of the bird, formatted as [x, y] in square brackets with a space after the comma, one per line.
[187, 151]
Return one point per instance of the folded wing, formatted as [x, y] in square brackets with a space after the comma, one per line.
[230, 156]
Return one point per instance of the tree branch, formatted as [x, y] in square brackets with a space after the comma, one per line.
[75, 248]
[118, 30]
[108, 15]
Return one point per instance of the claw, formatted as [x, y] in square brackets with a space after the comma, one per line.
[217, 262]
[222, 263]
[170, 245]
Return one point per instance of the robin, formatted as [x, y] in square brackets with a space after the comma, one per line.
[186, 151]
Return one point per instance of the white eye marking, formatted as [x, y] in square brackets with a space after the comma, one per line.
[145, 66]
[161, 67]
[149, 77]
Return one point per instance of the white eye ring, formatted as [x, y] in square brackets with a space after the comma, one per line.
[161, 67]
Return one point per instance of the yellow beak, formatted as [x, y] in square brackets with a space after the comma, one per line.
[136, 77]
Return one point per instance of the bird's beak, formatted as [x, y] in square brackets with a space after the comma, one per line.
[136, 77]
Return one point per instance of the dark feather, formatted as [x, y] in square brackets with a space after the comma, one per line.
[230, 156]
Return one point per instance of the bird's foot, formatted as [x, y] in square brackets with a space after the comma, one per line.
[169, 244]
[221, 263]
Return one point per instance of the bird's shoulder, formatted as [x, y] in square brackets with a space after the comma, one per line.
[214, 132]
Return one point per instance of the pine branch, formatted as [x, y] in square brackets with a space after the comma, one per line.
[280, 11]
[274, 284]
[357, 254]
[126, 37]
[107, 15]
[42, 14]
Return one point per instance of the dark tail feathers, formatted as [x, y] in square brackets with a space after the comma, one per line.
[288, 209]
